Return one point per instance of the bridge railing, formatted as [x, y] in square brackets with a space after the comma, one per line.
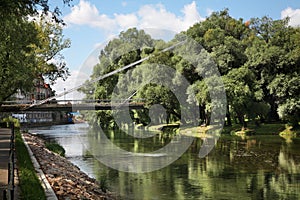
[78, 101]
[104, 104]
[16, 102]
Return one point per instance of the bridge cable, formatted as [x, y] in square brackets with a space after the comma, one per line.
[134, 93]
[103, 77]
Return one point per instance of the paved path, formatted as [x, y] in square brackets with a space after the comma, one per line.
[5, 134]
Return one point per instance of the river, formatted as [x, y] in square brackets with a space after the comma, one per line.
[256, 167]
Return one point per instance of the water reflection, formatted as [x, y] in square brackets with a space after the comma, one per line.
[256, 167]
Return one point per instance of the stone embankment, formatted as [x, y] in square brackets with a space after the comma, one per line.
[66, 179]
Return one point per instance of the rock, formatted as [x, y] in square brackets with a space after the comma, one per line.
[60, 192]
[50, 176]
[66, 179]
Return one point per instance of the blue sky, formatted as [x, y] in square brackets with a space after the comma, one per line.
[91, 23]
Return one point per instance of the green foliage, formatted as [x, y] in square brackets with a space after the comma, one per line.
[103, 183]
[29, 44]
[258, 62]
[16, 57]
[242, 92]
[286, 88]
[56, 148]
[10, 119]
[290, 111]
[50, 61]
[272, 57]
[105, 119]
[22, 8]
[263, 129]
[29, 183]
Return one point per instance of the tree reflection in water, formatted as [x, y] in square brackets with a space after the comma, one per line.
[257, 167]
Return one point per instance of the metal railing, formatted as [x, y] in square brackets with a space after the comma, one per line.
[11, 165]
[75, 101]
[8, 194]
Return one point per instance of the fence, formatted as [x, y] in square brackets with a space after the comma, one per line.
[8, 194]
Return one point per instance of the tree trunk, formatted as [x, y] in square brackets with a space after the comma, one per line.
[242, 121]
[168, 118]
[207, 119]
[202, 113]
[178, 116]
[228, 117]
[272, 115]
[245, 125]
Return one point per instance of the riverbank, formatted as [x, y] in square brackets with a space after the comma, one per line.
[66, 179]
[26, 126]
[234, 130]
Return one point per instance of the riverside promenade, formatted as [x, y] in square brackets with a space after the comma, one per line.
[5, 134]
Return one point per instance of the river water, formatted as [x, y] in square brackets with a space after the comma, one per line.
[256, 167]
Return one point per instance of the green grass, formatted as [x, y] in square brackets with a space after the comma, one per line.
[29, 183]
[54, 147]
[252, 129]
[262, 129]
[268, 129]
[231, 129]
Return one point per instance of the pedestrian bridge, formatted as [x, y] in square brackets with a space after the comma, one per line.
[72, 105]
[48, 105]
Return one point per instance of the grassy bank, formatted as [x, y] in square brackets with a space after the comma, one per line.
[29, 183]
[56, 148]
[252, 129]
[236, 129]
[262, 129]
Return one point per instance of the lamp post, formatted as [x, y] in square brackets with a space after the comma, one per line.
[65, 95]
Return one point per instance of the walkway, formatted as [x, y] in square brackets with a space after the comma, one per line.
[5, 134]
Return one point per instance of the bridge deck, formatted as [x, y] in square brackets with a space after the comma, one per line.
[68, 107]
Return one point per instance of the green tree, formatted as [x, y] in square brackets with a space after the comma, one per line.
[21, 8]
[118, 53]
[224, 39]
[258, 61]
[286, 89]
[242, 93]
[16, 58]
[273, 50]
[26, 47]
[50, 61]
[29, 49]
[267, 48]
[129, 47]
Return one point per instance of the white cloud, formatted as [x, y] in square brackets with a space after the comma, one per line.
[86, 14]
[126, 21]
[191, 15]
[148, 16]
[293, 14]
[156, 16]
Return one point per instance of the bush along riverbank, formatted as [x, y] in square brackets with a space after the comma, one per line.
[66, 179]
[56, 148]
